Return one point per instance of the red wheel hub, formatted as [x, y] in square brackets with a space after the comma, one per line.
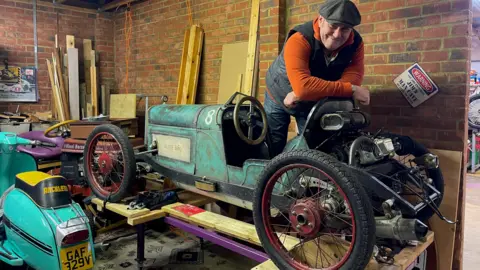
[306, 217]
[105, 163]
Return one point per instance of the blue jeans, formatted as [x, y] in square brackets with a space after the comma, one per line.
[278, 121]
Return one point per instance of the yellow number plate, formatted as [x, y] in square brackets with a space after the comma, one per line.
[78, 257]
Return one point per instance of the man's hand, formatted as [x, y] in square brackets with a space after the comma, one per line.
[290, 100]
[361, 94]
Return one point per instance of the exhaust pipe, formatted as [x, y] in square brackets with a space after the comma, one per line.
[399, 228]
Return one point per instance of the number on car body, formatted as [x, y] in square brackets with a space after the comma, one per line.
[209, 118]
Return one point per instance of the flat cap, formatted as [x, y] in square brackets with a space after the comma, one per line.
[340, 11]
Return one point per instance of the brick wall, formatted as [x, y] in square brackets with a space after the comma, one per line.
[434, 34]
[398, 33]
[157, 42]
[17, 43]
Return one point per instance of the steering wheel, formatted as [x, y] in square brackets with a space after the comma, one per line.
[47, 134]
[250, 120]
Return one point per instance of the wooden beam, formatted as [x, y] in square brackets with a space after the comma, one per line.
[252, 48]
[188, 80]
[87, 54]
[73, 84]
[70, 41]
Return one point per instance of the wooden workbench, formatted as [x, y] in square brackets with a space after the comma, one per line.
[189, 212]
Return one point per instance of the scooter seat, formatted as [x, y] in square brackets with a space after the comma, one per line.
[42, 152]
[44, 189]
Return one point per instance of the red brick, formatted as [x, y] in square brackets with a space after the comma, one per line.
[457, 42]
[389, 48]
[375, 59]
[405, 35]
[436, 8]
[424, 21]
[375, 38]
[389, 69]
[461, 29]
[405, 13]
[449, 135]
[460, 16]
[434, 56]
[454, 66]
[418, 2]
[368, 49]
[431, 67]
[390, 26]
[404, 58]
[365, 28]
[366, 7]
[389, 4]
[424, 45]
[435, 32]
[375, 17]
[461, 5]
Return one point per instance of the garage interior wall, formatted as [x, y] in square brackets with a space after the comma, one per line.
[17, 43]
[397, 33]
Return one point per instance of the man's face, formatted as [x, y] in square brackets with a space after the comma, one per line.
[333, 36]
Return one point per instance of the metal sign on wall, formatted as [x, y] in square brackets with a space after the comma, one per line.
[18, 84]
[415, 85]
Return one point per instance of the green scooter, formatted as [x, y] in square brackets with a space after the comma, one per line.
[40, 225]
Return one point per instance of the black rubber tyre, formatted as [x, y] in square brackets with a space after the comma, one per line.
[129, 163]
[364, 242]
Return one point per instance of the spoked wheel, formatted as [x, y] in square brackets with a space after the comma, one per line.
[109, 163]
[474, 112]
[310, 213]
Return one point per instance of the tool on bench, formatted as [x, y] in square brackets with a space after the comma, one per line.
[153, 199]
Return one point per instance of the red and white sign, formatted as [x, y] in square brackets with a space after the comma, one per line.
[415, 85]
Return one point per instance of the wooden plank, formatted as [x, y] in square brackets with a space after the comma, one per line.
[60, 92]
[123, 106]
[193, 78]
[451, 166]
[73, 84]
[55, 93]
[93, 80]
[185, 196]
[190, 67]
[139, 216]
[252, 47]
[408, 255]
[183, 65]
[87, 48]
[120, 209]
[70, 42]
[234, 62]
[58, 67]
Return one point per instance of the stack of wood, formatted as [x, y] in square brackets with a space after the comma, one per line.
[72, 100]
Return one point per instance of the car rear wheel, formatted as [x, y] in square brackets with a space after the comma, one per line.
[109, 163]
[311, 213]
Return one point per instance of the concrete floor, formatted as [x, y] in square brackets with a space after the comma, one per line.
[471, 248]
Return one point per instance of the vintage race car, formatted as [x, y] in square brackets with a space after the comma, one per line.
[321, 204]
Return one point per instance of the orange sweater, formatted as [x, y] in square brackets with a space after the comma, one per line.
[307, 87]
